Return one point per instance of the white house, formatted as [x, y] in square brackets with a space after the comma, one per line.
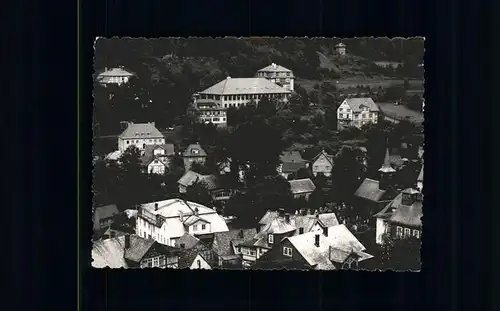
[117, 76]
[357, 112]
[279, 75]
[157, 158]
[340, 48]
[140, 135]
[168, 220]
[322, 163]
[213, 102]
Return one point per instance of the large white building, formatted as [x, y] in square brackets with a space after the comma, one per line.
[213, 102]
[114, 76]
[166, 221]
[140, 135]
[279, 75]
[357, 112]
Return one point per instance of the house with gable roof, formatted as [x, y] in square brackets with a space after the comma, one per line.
[193, 154]
[373, 194]
[104, 216]
[302, 188]
[133, 251]
[334, 248]
[157, 158]
[291, 163]
[117, 76]
[166, 221]
[213, 183]
[140, 135]
[401, 218]
[357, 112]
[213, 102]
[322, 163]
[278, 74]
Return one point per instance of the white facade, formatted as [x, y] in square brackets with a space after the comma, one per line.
[380, 230]
[170, 219]
[139, 142]
[279, 75]
[200, 263]
[156, 167]
[356, 115]
[117, 76]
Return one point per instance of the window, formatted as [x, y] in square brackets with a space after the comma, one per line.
[144, 234]
[341, 109]
[128, 142]
[399, 231]
[407, 232]
[162, 261]
[301, 230]
[287, 251]
[198, 262]
[156, 262]
[270, 239]
[149, 236]
[416, 233]
[195, 227]
[203, 227]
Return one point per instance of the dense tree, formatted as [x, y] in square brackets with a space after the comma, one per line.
[415, 103]
[400, 254]
[347, 173]
[199, 193]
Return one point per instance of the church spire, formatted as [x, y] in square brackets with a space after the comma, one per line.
[386, 167]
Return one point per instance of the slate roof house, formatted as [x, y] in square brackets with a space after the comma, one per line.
[322, 163]
[166, 221]
[117, 76]
[334, 248]
[140, 135]
[132, 251]
[212, 182]
[103, 216]
[275, 226]
[291, 163]
[302, 188]
[192, 259]
[157, 158]
[193, 154]
[374, 194]
[401, 218]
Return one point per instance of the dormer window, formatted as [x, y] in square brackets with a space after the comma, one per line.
[270, 238]
[195, 151]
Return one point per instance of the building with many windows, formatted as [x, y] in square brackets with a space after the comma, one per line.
[357, 112]
[140, 135]
[401, 218]
[117, 76]
[213, 102]
[279, 75]
[166, 221]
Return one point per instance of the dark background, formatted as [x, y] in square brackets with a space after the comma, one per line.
[41, 89]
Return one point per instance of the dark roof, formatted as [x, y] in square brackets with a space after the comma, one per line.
[138, 248]
[106, 211]
[141, 130]
[397, 212]
[206, 239]
[289, 167]
[278, 264]
[224, 241]
[191, 177]
[186, 258]
[291, 157]
[188, 240]
[370, 190]
[194, 150]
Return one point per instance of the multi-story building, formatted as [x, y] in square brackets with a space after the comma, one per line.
[340, 48]
[213, 102]
[140, 135]
[117, 76]
[279, 75]
[357, 112]
[401, 218]
[193, 154]
[166, 221]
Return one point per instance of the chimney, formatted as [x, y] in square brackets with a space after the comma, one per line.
[281, 212]
[316, 213]
[287, 218]
[325, 231]
[127, 241]
[152, 123]
[274, 65]
[196, 211]
[316, 240]
[303, 212]
[181, 216]
[241, 233]
[156, 206]
[308, 211]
